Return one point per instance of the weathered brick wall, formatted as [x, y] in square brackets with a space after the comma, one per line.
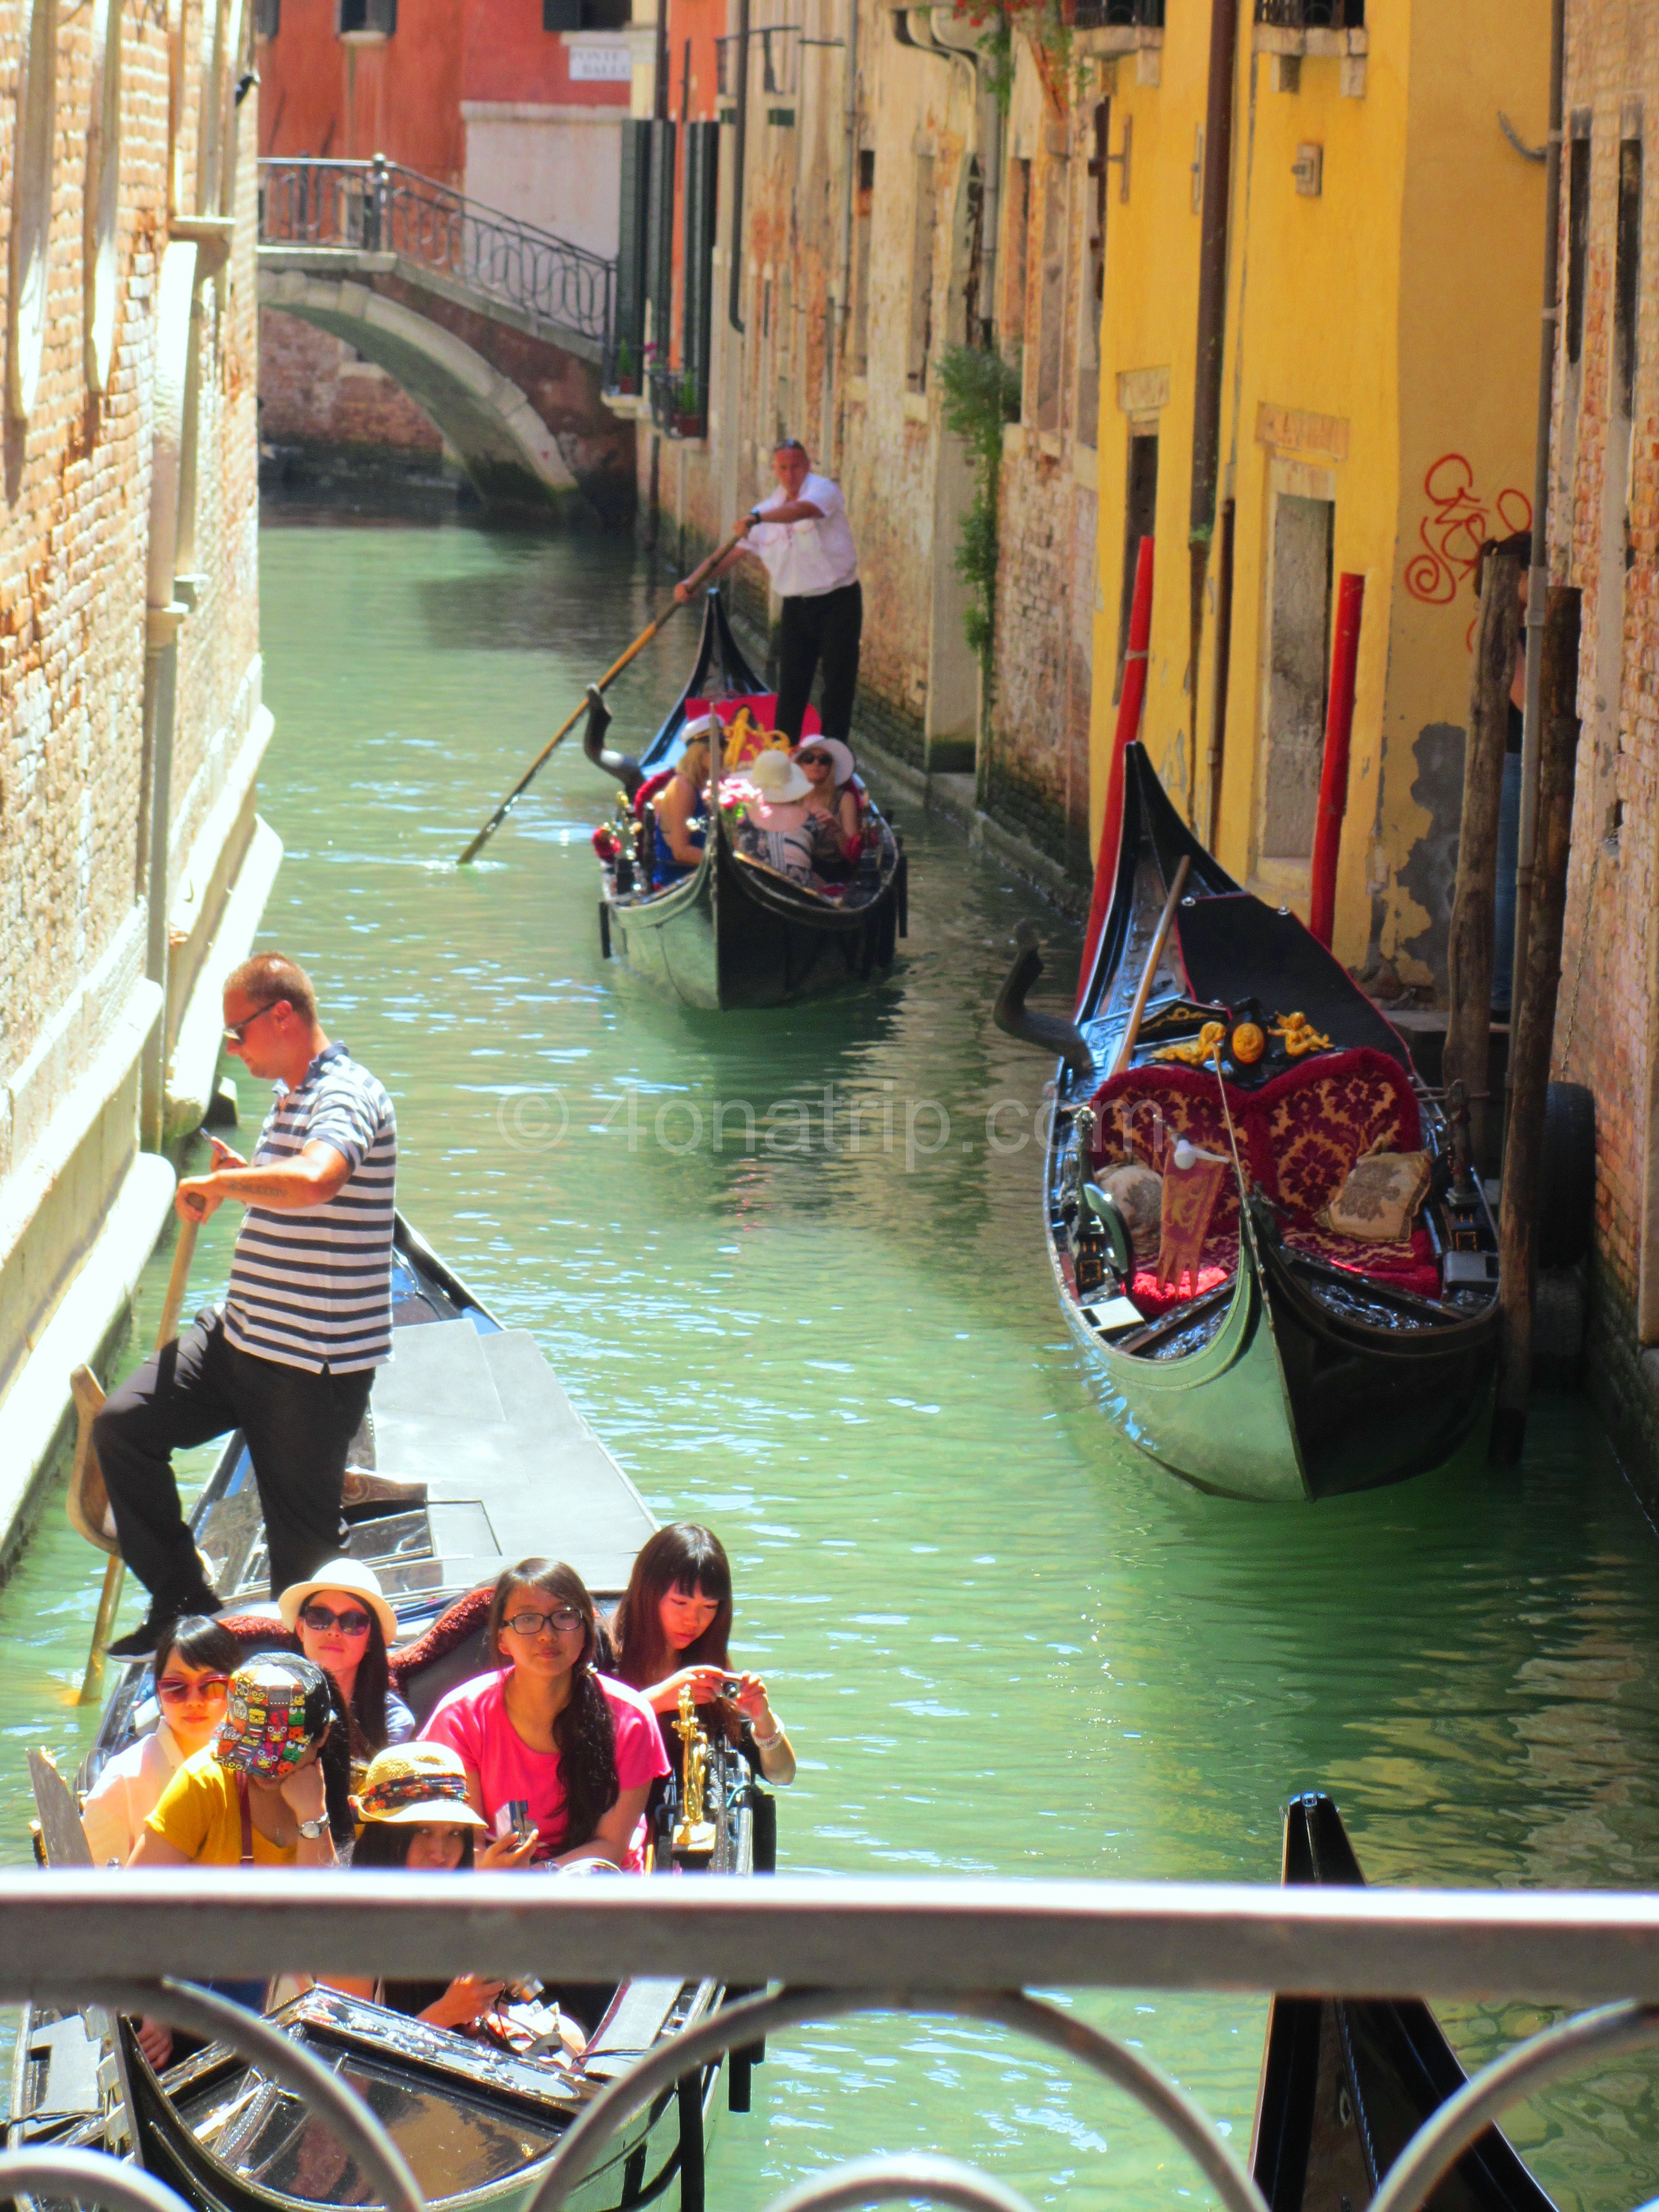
[1605, 1025]
[311, 394]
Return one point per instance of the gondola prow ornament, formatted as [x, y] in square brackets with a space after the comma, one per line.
[693, 1832]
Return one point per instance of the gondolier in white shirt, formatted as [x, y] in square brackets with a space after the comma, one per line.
[307, 1319]
[802, 534]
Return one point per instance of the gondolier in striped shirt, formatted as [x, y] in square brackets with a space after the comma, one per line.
[307, 1319]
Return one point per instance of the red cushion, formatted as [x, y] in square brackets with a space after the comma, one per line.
[1310, 1124]
[452, 1627]
[761, 705]
[1409, 1267]
[648, 790]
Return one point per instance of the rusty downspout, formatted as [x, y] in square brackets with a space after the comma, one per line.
[1207, 353]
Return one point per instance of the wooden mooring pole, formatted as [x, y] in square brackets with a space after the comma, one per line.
[1532, 1033]
[1470, 944]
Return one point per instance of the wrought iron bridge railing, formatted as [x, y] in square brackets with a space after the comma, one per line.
[821, 1949]
[377, 207]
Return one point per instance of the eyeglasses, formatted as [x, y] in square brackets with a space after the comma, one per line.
[207, 1689]
[348, 1624]
[815, 760]
[561, 1623]
[236, 1032]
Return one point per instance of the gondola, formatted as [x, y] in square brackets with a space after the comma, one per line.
[733, 933]
[1346, 2083]
[472, 1456]
[1294, 1362]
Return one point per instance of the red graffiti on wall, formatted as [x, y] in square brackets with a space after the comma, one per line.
[1457, 527]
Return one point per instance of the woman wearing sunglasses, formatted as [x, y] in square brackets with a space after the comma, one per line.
[344, 1625]
[551, 1747]
[832, 806]
[194, 1662]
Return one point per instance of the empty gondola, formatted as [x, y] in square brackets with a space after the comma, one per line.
[1262, 1225]
[734, 932]
[1346, 2083]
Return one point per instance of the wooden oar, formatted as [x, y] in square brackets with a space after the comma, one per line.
[577, 712]
[88, 1500]
[1151, 970]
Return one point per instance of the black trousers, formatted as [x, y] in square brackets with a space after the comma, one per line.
[299, 1428]
[825, 627]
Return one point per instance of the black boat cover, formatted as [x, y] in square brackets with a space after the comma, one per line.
[1236, 948]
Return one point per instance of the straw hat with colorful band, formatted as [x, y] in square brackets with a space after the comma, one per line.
[278, 1708]
[416, 1782]
[350, 1575]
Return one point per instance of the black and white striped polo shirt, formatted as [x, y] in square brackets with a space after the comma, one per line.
[314, 1289]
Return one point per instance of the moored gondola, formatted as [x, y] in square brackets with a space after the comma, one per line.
[1299, 1355]
[1346, 2083]
[471, 1457]
[734, 932]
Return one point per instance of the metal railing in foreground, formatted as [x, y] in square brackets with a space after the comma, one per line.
[834, 1948]
[378, 207]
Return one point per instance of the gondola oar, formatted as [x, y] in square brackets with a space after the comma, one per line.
[577, 711]
[1132, 1029]
[88, 1505]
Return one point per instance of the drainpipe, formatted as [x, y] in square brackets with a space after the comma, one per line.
[734, 295]
[987, 145]
[850, 121]
[1211, 331]
[1538, 576]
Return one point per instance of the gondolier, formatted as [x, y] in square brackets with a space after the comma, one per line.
[307, 1319]
[802, 534]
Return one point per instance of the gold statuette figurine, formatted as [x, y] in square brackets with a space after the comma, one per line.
[694, 1833]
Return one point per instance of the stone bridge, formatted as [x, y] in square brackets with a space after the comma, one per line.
[497, 330]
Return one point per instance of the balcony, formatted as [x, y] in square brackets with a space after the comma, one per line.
[1117, 27]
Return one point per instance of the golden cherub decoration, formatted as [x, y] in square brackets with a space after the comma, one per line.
[1298, 1035]
[694, 1833]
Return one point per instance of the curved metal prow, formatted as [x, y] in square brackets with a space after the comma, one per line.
[623, 766]
[1046, 1031]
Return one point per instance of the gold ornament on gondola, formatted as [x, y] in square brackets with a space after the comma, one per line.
[1248, 1045]
[1298, 1036]
[1197, 1051]
[693, 1832]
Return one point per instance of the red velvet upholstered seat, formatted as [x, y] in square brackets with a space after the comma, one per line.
[1297, 1137]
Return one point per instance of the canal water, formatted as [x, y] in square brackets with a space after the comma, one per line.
[1001, 1642]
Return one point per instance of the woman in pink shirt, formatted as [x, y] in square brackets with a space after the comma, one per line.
[549, 1733]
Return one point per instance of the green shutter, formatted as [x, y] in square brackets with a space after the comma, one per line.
[702, 165]
[660, 244]
[631, 251]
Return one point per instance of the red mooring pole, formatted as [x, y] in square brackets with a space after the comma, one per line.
[1131, 700]
[1334, 776]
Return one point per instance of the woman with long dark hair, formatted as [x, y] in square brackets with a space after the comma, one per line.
[551, 1747]
[671, 1631]
[344, 1625]
[190, 1680]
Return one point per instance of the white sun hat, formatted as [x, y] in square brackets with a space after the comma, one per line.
[776, 778]
[839, 752]
[350, 1576]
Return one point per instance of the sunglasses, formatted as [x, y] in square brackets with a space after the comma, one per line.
[236, 1032]
[348, 1624]
[208, 1689]
[531, 1623]
[815, 760]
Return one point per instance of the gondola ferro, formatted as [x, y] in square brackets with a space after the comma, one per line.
[1300, 1355]
[733, 933]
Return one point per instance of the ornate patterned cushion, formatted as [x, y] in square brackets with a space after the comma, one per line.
[1314, 1121]
[1409, 1267]
[1136, 1108]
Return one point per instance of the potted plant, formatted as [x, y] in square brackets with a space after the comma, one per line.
[688, 409]
[628, 374]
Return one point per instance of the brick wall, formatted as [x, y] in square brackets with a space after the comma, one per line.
[313, 392]
[1602, 519]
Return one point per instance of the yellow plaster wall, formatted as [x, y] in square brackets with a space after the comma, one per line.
[1149, 322]
[1392, 318]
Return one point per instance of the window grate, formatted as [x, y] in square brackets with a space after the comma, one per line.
[1312, 14]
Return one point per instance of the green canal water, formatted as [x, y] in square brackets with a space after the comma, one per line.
[1002, 1643]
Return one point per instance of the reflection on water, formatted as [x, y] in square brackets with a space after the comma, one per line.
[1002, 1643]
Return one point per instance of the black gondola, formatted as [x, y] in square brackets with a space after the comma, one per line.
[734, 932]
[1346, 2083]
[472, 1457]
[1300, 1364]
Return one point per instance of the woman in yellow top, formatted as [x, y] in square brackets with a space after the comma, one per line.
[273, 1787]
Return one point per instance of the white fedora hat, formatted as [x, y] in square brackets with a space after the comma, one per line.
[840, 753]
[349, 1575]
[775, 776]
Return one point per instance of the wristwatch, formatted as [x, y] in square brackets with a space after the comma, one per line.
[312, 1829]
